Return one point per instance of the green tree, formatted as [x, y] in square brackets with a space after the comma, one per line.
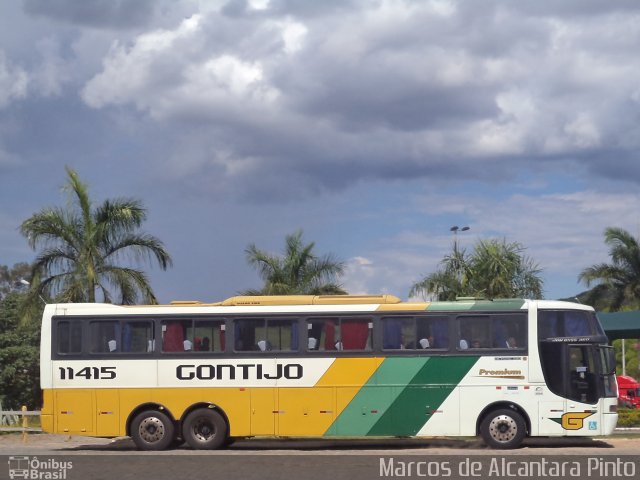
[299, 271]
[17, 279]
[618, 282]
[82, 245]
[19, 355]
[495, 269]
[10, 278]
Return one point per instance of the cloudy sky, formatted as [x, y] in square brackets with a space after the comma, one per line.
[374, 126]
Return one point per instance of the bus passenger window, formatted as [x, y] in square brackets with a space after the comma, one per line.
[281, 335]
[104, 336]
[355, 334]
[322, 333]
[339, 333]
[174, 335]
[248, 332]
[475, 331]
[509, 331]
[69, 337]
[433, 329]
[399, 333]
[136, 336]
[208, 336]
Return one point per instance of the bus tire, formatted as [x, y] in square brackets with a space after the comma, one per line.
[152, 430]
[503, 429]
[204, 429]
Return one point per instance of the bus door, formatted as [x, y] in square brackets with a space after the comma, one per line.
[570, 372]
[582, 416]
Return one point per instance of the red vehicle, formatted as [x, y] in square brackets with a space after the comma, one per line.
[628, 392]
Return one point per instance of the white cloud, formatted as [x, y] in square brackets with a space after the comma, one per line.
[259, 4]
[169, 74]
[13, 81]
[293, 35]
[128, 73]
[227, 75]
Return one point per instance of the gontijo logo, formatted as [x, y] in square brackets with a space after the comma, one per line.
[33, 468]
[575, 420]
[502, 373]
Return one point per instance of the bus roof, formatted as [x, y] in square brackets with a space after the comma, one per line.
[308, 303]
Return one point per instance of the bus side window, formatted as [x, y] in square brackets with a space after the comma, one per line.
[509, 331]
[177, 336]
[104, 336]
[173, 338]
[434, 329]
[398, 333]
[208, 336]
[339, 334]
[476, 331]
[322, 333]
[355, 333]
[136, 336]
[248, 332]
[69, 334]
[281, 335]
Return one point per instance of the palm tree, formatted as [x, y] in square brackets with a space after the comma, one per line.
[495, 269]
[502, 270]
[297, 272]
[82, 245]
[449, 281]
[618, 281]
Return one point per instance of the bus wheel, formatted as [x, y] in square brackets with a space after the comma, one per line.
[204, 429]
[152, 430]
[504, 428]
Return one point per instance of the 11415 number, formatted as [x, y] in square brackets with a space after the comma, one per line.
[88, 373]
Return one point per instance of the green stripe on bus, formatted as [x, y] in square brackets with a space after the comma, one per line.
[425, 393]
[376, 396]
[477, 305]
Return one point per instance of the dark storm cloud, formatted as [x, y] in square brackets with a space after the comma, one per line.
[332, 95]
[113, 14]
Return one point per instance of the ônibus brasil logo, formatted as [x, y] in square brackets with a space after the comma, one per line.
[33, 468]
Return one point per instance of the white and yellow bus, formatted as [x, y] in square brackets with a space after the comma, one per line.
[326, 366]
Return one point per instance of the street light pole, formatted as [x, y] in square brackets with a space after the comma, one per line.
[458, 263]
[455, 229]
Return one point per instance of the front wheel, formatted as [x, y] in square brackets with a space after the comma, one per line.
[504, 429]
[152, 430]
[204, 429]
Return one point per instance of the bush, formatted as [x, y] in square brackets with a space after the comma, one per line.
[628, 417]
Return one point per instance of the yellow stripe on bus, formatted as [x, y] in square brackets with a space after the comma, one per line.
[404, 307]
[310, 411]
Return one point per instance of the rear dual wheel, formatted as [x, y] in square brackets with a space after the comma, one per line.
[205, 429]
[152, 430]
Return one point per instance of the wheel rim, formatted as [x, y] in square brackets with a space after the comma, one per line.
[151, 430]
[203, 430]
[503, 428]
